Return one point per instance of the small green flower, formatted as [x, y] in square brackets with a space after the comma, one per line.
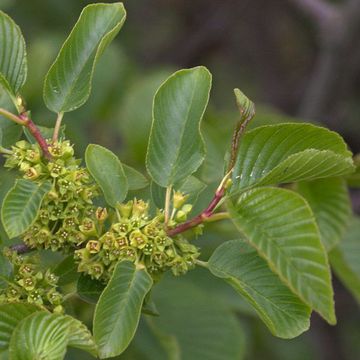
[138, 239]
[93, 246]
[96, 270]
[28, 283]
[88, 227]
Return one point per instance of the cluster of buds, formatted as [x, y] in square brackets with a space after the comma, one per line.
[58, 226]
[31, 285]
[136, 238]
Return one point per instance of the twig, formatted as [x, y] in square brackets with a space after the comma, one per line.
[12, 117]
[247, 111]
[24, 120]
[57, 127]
[319, 10]
[167, 204]
[205, 214]
[35, 132]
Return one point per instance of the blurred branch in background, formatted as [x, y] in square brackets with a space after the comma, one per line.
[332, 76]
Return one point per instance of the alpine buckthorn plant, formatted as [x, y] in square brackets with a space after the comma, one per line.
[115, 236]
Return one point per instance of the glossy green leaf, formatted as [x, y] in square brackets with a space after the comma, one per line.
[66, 270]
[89, 289]
[345, 257]
[10, 316]
[68, 82]
[239, 264]
[21, 206]
[13, 66]
[289, 152]
[136, 180]
[203, 327]
[330, 203]
[280, 225]
[118, 311]
[176, 148]
[107, 170]
[192, 187]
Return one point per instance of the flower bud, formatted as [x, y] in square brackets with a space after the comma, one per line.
[125, 209]
[24, 166]
[179, 199]
[187, 208]
[82, 254]
[180, 216]
[101, 214]
[140, 208]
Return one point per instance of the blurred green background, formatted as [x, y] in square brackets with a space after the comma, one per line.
[290, 63]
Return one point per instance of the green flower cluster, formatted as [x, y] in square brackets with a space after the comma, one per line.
[68, 219]
[29, 284]
[58, 225]
[136, 238]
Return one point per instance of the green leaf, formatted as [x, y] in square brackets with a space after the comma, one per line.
[21, 206]
[5, 270]
[353, 180]
[68, 82]
[330, 203]
[11, 132]
[151, 343]
[176, 147]
[13, 66]
[190, 186]
[80, 336]
[66, 270]
[344, 259]
[89, 289]
[10, 316]
[203, 327]
[283, 312]
[106, 169]
[136, 180]
[289, 152]
[280, 225]
[118, 311]
[43, 335]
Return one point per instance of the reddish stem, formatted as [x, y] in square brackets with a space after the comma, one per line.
[35, 132]
[208, 212]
